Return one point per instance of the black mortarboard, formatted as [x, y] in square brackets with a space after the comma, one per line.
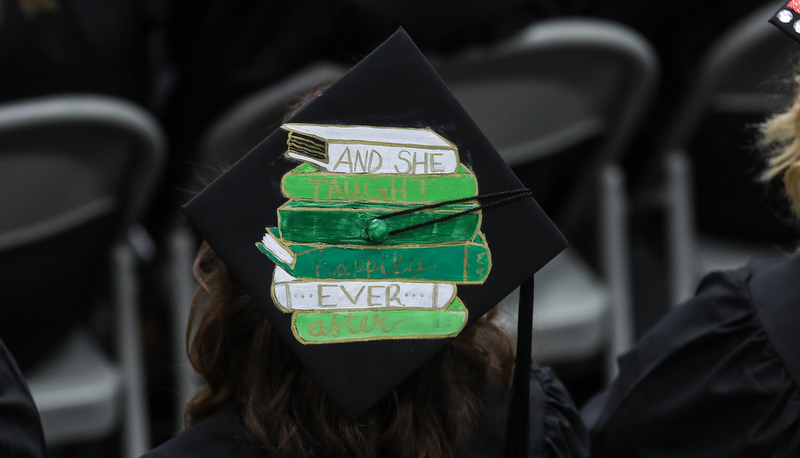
[787, 18]
[356, 227]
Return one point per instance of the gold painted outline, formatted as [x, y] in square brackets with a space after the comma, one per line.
[401, 246]
[284, 207]
[368, 176]
[364, 210]
[452, 147]
[450, 144]
[368, 339]
[317, 280]
[262, 248]
[322, 246]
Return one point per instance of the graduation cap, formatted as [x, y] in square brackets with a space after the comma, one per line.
[375, 225]
[787, 18]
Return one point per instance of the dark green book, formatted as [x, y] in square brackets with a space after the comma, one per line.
[457, 262]
[346, 222]
[308, 183]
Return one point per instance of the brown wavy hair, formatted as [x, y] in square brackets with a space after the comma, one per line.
[284, 411]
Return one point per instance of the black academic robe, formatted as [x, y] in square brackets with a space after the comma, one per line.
[718, 377]
[556, 428]
[20, 429]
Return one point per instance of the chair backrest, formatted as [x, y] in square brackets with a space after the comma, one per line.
[741, 73]
[555, 85]
[744, 77]
[75, 171]
[66, 158]
[250, 121]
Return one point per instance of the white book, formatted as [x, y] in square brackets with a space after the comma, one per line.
[374, 150]
[292, 293]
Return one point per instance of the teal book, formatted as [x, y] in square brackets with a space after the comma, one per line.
[457, 262]
[346, 222]
[308, 183]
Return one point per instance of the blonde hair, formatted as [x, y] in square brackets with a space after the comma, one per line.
[781, 143]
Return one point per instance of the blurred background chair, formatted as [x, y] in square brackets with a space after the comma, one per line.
[230, 137]
[560, 101]
[75, 173]
[182, 285]
[718, 217]
[250, 121]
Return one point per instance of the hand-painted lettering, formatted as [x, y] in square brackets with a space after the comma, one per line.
[317, 182]
[333, 188]
[321, 295]
[401, 191]
[372, 155]
[352, 324]
[400, 156]
[344, 159]
[423, 163]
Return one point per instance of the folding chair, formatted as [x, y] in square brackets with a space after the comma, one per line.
[558, 84]
[735, 80]
[75, 173]
[232, 136]
[241, 128]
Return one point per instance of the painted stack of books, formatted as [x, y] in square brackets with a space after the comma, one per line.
[339, 284]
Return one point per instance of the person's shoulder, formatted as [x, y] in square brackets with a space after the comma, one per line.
[778, 271]
[556, 429]
[764, 287]
[733, 344]
[775, 273]
[774, 290]
[218, 436]
[725, 282]
[563, 432]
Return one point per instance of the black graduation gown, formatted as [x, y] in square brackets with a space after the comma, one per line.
[718, 377]
[20, 429]
[556, 428]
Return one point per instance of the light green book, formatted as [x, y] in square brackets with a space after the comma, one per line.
[346, 222]
[308, 183]
[350, 326]
[457, 262]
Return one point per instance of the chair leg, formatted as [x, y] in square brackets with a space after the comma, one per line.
[614, 239]
[136, 433]
[680, 227]
[182, 287]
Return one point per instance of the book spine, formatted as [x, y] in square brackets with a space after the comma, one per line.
[350, 326]
[357, 157]
[320, 224]
[321, 186]
[458, 262]
[305, 294]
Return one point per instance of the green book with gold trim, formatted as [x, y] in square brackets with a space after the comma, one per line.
[356, 325]
[345, 222]
[458, 262]
[308, 183]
